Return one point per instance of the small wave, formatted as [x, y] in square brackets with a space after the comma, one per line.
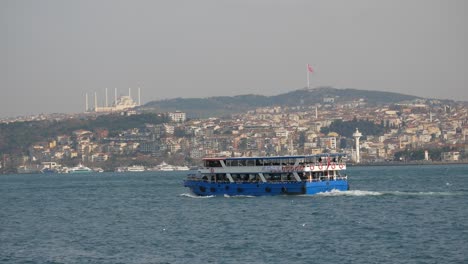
[394, 193]
[349, 193]
[238, 196]
[191, 195]
[398, 193]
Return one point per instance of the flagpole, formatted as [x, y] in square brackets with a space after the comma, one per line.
[307, 70]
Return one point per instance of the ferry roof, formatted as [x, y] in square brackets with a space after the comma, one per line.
[279, 157]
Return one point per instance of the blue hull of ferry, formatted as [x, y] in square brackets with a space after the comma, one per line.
[204, 188]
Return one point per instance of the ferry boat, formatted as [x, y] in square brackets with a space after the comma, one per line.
[256, 176]
[167, 167]
[136, 168]
[80, 169]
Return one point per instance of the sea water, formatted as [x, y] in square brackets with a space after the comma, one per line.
[404, 214]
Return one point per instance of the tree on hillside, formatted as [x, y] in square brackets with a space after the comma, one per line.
[17, 137]
[347, 128]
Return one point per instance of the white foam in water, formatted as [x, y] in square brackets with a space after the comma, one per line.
[373, 193]
[191, 195]
[349, 193]
[422, 193]
[238, 196]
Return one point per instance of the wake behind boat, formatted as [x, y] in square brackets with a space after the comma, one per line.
[256, 176]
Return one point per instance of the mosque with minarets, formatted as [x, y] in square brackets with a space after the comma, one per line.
[122, 103]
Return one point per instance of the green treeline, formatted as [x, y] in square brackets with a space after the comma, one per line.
[16, 137]
[418, 154]
[347, 128]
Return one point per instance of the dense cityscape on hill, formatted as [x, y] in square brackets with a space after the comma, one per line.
[396, 128]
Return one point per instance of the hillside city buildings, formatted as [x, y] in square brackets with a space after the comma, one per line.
[269, 131]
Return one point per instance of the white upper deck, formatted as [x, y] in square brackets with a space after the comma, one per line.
[277, 164]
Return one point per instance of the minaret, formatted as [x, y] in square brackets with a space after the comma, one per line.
[316, 112]
[139, 96]
[106, 99]
[356, 136]
[95, 102]
[115, 96]
[86, 110]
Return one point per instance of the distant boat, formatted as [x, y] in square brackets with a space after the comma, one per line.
[50, 167]
[98, 170]
[120, 169]
[163, 167]
[135, 168]
[80, 169]
[181, 168]
[167, 167]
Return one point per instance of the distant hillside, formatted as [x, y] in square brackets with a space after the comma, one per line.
[18, 136]
[223, 105]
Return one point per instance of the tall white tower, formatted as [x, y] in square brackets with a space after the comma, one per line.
[95, 101]
[139, 96]
[106, 99]
[356, 136]
[86, 110]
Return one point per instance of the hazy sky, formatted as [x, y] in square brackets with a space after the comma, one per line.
[53, 52]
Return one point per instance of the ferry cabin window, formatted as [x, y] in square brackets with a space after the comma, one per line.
[212, 163]
[250, 162]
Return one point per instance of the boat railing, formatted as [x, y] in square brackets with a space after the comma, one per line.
[321, 179]
[332, 165]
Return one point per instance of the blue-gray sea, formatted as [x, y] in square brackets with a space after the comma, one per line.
[405, 214]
